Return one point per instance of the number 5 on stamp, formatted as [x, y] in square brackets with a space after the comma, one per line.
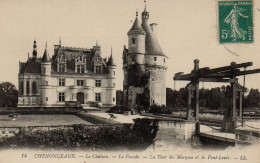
[235, 21]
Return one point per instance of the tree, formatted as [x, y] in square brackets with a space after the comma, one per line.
[8, 95]
[253, 99]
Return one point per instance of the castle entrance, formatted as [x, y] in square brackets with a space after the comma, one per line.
[80, 97]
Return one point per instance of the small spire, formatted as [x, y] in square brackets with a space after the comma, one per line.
[111, 50]
[96, 43]
[137, 12]
[60, 41]
[45, 57]
[145, 4]
[28, 55]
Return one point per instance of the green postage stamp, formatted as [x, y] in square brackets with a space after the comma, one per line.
[235, 21]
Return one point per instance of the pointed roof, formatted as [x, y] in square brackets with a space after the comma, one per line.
[45, 57]
[111, 60]
[152, 46]
[137, 25]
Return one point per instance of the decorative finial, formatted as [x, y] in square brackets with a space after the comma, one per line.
[136, 12]
[111, 50]
[145, 4]
[96, 43]
[46, 45]
[60, 41]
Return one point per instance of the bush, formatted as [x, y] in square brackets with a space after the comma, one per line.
[138, 136]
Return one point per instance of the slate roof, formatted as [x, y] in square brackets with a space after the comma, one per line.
[31, 66]
[111, 61]
[152, 46]
[46, 57]
[137, 25]
[71, 53]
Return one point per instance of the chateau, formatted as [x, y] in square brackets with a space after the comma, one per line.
[70, 75]
[144, 65]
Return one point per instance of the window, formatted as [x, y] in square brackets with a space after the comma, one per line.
[98, 97]
[114, 84]
[98, 83]
[164, 60]
[61, 82]
[34, 88]
[21, 88]
[61, 67]
[27, 87]
[61, 96]
[80, 82]
[80, 68]
[98, 69]
[46, 82]
[133, 40]
[114, 72]
[153, 101]
[155, 58]
[153, 79]
[114, 99]
[46, 98]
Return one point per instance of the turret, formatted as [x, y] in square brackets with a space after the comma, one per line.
[34, 50]
[46, 78]
[46, 63]
[136, 43]
[112, 65]
[112, 75]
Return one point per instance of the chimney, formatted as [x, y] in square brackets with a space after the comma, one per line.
[154, 29]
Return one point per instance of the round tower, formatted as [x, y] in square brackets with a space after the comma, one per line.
[155, 62]
[112, 79]
[45, 78]
[136, 43]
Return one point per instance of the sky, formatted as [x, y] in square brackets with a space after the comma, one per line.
[187, 30]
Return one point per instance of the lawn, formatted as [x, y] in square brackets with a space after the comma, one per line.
[41, 120]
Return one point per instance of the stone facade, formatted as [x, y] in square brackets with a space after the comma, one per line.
[72, 74]
[145, 52]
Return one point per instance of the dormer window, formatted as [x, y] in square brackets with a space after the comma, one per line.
[61, 67]
[98, 69]
[133, 40]
[80, 68]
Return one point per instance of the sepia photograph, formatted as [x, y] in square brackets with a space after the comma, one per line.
[130, 81]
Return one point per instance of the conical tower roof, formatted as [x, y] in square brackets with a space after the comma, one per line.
[111, 60]
[45, 57]
[152, 46]
[137, 25]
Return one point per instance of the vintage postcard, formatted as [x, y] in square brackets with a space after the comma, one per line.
[89, 81]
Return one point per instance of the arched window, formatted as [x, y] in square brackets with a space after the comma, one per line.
[34, 88]
[21, 88]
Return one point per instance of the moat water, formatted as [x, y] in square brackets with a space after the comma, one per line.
[180, 136]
